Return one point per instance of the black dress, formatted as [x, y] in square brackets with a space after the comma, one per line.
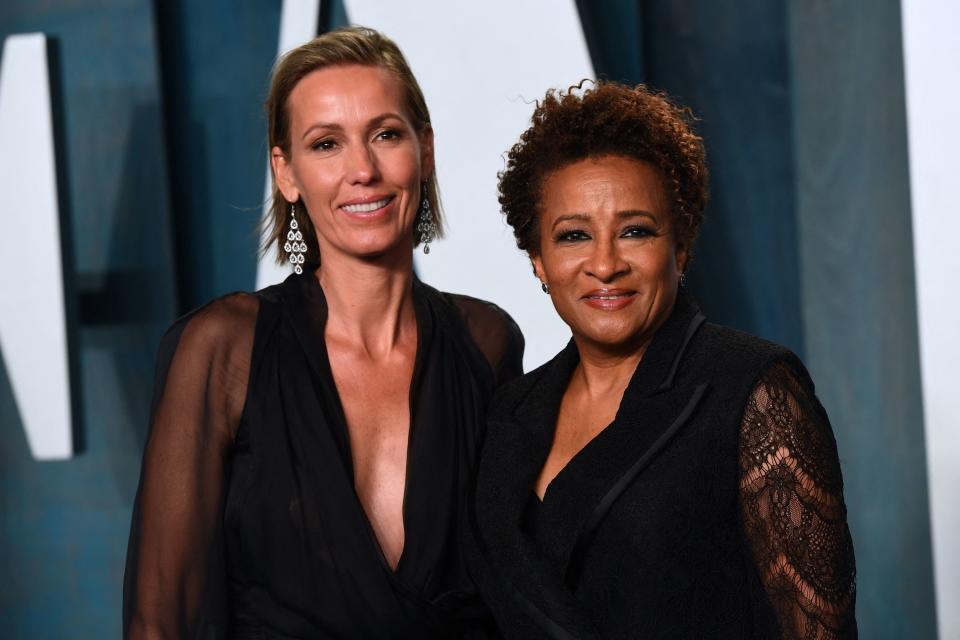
[711, 507]
[247, 524]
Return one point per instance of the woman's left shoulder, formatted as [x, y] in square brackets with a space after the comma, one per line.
[490, 328]
[729, 350]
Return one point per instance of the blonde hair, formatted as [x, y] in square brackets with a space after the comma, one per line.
[349, 45]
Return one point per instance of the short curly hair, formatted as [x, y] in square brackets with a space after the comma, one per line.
[605, 119]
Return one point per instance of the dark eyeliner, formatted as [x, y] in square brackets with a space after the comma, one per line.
[570, 235]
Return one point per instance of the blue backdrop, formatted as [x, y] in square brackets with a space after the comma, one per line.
[807, 242]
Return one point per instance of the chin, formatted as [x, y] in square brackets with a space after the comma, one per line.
[609, 336]
[378, 245]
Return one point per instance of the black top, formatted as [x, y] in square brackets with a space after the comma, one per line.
[711, 507]
[247, 523]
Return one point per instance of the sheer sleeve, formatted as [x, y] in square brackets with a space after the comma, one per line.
[496, 335]
[174, 584]
[791, 496]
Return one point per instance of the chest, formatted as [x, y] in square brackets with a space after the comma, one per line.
[375, 398]
[579, 421]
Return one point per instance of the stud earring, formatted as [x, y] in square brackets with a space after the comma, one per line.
[426, 225]
[295, 246]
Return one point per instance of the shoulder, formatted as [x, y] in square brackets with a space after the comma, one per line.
[220, 327]
[480, 315]
[725, 341]
[491, 329]
[485, 319]
[728, 352]
[509, 396]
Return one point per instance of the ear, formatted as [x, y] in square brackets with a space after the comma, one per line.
[283, 175]
[426, 153]
[538, 271]
[682, 255]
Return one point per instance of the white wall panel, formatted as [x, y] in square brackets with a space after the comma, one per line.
[33, 333]
[931, 58]
[481, 65]
[298, 24]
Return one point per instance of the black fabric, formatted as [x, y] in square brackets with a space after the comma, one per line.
[711, 507]
[247, 524]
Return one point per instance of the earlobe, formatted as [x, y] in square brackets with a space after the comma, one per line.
[682, 257]
[282, 175]
[538, 268]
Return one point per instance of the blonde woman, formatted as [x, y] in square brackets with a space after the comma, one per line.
[311, 444]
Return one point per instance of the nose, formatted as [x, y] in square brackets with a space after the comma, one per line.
[362, 165]
[605, 262]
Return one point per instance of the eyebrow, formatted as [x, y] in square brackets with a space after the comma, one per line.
[333, 126]
[621, 215]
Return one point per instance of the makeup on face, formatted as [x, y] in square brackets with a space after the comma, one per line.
[608, 252]
[356, 160]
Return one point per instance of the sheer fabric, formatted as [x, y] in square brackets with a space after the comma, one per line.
[791, 499]
[201, 382]
[246, 524]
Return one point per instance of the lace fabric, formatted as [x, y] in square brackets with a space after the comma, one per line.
[791, 496]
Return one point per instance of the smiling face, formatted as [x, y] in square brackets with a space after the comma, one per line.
[355, 159]
[608, 251]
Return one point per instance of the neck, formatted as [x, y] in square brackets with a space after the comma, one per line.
[602, 372]
[369, 301]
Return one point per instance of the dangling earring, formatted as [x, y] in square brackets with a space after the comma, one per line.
[426, 225]
[683, 279]
[295, 246]
[543, 285]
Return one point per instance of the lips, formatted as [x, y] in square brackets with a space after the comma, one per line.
[609, 299]
[367, 206]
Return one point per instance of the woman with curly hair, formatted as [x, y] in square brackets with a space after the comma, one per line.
[662, 476]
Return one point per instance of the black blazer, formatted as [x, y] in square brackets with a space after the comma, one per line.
[642, 535]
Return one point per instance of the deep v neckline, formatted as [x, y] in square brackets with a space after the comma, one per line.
[343, 429]
[584, 452]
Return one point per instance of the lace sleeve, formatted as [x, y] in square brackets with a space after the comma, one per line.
[496, 335]
[173, 584]
[791, 496]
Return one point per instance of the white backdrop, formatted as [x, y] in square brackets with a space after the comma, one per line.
[33, 324]
[931, 52]
[481, 73]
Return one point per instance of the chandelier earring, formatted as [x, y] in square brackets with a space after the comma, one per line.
[426, 225]
[295, 245]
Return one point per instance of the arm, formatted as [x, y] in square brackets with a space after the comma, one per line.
[791, 498]
[171, 584]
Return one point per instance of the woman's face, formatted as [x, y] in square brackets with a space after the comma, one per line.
[608, 251]
[356, 160]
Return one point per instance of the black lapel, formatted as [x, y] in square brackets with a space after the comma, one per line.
[515, 450]
[651, 413]
[517, 446]
[589, 528]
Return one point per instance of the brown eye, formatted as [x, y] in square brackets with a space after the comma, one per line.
[571, 236]
[389, 134]
[324, 144]
[638, 232]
